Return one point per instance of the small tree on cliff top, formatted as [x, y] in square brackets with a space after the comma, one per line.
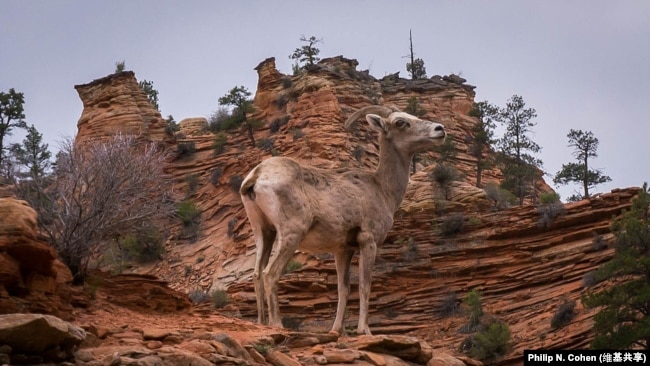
[416, 66]
[306, 55]
[519, 165]
[239, 98]
[482, 135]
[624, 319]
[585, 146]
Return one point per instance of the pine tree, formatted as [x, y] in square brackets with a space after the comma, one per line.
[152, 94]
[416, 66]
[624, 319]
[482, 135]
[11, 116]
[306, 55]
[519, 166]
[239, 98]
[33, 154]
[585, 146]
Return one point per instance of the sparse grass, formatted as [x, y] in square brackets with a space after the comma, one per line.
[598, 243]
[548, 214]
[216, 175]
[275, 125]
[297, 134]
[198, 296]
[291, 323]
[235, 183]
[262, 348]
[192, 181]
[564, 314]
[231, 227]
[358, 153]
[450, 305]
[219, 143]
[287, 82]
[265, 144]
[590, 279]
[292, 265]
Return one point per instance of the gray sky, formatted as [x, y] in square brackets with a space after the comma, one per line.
[580, 64]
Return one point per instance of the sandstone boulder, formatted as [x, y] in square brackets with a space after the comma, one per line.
[38, 335]
[26, 263]
[193, 126]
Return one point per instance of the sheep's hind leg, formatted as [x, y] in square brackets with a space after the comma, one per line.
[264, 244]
[342, 260]
[286, 246]
[368, 251]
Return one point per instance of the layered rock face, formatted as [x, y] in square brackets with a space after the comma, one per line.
[30, 274]
[525, 265]
[116, 104]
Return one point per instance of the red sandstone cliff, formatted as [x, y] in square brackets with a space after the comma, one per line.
[523, 269]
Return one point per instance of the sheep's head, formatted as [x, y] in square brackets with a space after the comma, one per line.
[407, 132]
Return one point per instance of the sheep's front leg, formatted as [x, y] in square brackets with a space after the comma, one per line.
[286, 246]
[368, 251]
[342, 260]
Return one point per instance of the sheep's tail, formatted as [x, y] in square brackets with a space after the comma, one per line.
[247, 188]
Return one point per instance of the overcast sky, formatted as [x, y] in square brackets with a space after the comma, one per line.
[580, 64]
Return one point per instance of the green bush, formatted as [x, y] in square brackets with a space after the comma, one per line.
[502, 198]
[145, 246]
[219, 298]
[188, 213]
[219, 143]
[185, 148]
[452, 224]
[490, 343]
[474, 307]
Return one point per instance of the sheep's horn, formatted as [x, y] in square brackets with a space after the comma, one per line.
[377, 109]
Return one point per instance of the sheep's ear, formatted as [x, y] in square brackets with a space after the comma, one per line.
[376, 122]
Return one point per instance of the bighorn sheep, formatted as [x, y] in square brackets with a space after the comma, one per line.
[291, 206]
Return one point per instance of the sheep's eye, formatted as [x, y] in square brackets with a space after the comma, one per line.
[401, 123]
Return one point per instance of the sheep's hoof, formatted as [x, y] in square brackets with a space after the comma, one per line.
[334, 332]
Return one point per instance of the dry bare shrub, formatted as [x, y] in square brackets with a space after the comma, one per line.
[102, 191]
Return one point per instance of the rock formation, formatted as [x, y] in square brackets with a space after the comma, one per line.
[36, 339]
[193, 126]
[30, 274]
[524, 267]
[116, 104]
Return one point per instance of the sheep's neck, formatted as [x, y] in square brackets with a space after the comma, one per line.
[392, 173]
